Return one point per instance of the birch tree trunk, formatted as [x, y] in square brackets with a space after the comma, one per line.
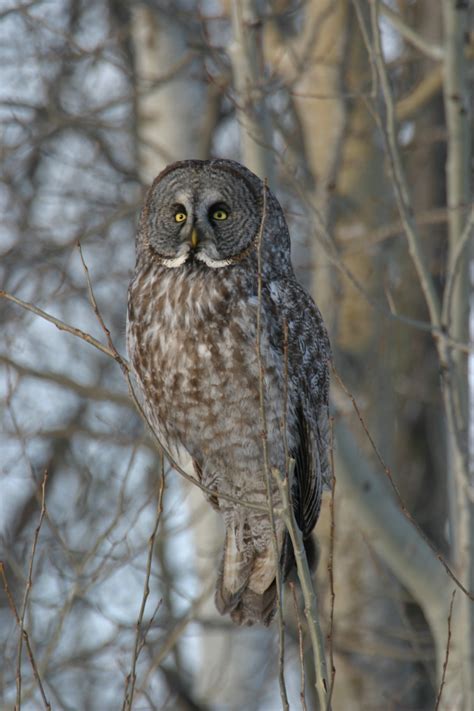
[456, 303]
[348, 168]
[248, 75]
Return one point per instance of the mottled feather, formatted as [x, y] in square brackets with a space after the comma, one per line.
[192, 340]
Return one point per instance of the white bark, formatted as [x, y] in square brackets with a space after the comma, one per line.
[249, 84]
[170, 102]
[458, 107]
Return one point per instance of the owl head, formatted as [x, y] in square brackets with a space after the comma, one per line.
[207, 212]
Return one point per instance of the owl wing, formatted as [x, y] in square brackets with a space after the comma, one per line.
[309, 353]
[307, 484]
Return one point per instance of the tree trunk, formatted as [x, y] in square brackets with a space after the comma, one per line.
[353, 199]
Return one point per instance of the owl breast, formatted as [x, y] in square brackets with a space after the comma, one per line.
[192, 340]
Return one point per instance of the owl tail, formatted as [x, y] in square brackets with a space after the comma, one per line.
[246, 587]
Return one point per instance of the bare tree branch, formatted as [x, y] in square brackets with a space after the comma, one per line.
[59, 324]
[430, 49]
[309, 595]
[23, 635]
[446, 659]
[140, 634]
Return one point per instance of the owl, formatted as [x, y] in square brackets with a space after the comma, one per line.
[232, 360]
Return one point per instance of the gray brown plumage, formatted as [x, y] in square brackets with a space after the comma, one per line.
[192, 340]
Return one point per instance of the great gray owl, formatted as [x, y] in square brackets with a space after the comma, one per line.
[193, 313]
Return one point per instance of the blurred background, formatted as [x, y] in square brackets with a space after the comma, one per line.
[359, 115]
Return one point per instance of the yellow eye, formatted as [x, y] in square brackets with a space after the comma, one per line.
[219, 215]
[180, 216]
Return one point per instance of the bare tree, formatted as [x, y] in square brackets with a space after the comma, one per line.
[358, 115]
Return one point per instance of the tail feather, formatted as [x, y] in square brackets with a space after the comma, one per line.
[255, 607]
[234, 573]
[246, 585]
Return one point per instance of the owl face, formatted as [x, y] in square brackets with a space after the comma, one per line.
[208, 211]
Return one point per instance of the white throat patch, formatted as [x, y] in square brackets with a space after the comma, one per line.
[213, 263]
[173, 262]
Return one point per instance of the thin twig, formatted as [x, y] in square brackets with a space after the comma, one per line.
[309, 595]
[132, 676]
[58, 323]
[177, 631]
[21, 618]
[300, 645]
[148, 626]
[121, 361]
[266, 465]
[90, 392]
[332, 541]
[446, 658]
[26, 637]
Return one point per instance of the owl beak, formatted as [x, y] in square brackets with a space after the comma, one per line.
[194, 238]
